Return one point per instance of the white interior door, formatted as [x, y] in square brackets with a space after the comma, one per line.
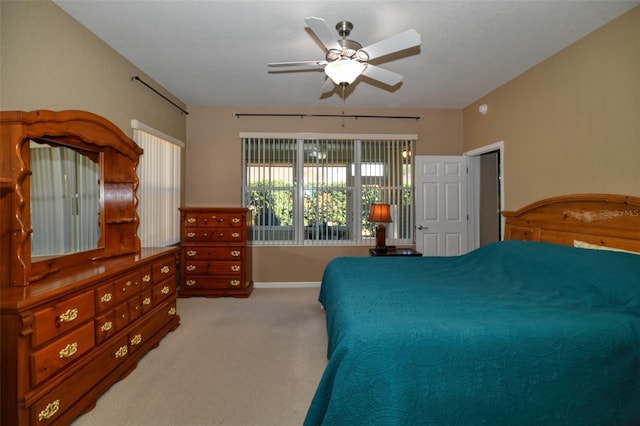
[441, 205]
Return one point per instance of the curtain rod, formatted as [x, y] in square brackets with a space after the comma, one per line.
[399, 117]
[160, 94]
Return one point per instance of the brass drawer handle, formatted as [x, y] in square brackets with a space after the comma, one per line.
[235, 220]
[191, 253]
[235, 283]
[235, 234]
[146, 278]
[191, 282]
[165, 269]
[191, 268]
[235, 268]
[137, 339]
[235, 253]
[122, 351]
[69, 350]
[146, 301]
[172, 311]
[69, 316]
[49, 411]
[191, 220]
[106, 326]
[191, 234]
[106, 298]
[165, 290]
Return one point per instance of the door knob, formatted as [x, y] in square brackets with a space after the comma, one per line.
[420, 227]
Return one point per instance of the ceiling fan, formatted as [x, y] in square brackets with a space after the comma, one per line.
[346, 60]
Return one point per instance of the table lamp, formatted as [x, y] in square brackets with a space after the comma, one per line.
[380, 213]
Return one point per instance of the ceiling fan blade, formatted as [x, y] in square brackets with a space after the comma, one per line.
[387, 77]
[405, 40]
[298, 64]
[328, 86]
[321, 29]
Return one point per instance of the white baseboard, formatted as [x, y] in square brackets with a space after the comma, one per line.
[286, 284]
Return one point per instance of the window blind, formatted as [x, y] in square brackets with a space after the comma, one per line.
[159, 173]
[317, 190]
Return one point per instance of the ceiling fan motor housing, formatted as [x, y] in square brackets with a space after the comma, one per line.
[349, 50]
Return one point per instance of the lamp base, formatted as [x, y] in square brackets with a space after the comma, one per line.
[381, 237]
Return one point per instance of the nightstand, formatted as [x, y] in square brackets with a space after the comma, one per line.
[394, 252]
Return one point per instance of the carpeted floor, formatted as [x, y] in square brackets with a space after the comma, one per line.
[236, 362]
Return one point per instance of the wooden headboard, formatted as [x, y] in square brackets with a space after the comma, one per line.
[603, 219]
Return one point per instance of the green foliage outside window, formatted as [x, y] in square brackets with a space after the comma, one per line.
[324, 207]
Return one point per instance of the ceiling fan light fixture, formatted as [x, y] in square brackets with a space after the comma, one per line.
[344, 71]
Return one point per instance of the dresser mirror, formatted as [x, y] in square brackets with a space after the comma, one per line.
[96, 220]
[65, 200]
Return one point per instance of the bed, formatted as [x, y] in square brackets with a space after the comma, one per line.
[532, 330]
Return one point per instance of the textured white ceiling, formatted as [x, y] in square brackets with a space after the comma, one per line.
[214, 52]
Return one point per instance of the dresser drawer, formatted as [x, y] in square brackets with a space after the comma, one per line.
[105, 297]
[105, 326]
[213, 253]
[213, 219]
[143, 333]
[135, 308]
[128, 285]
[60, 353]
[207, 235]
[163, 269]
[63, 316]
[146, 301]
[207, 282]
[50, 407]
[222, 267]
[228, 236]
[162, 291]
[121, 316]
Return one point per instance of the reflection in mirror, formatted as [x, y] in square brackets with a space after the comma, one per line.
[65, 201]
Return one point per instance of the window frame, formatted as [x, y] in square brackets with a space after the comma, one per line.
[355, 228]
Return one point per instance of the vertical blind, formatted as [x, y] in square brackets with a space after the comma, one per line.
[317, 190]
[159, 190]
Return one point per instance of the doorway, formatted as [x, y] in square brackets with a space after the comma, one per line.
[486, 194]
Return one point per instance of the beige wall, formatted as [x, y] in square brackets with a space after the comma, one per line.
[572, 123]
[50, 61]
[213, 172]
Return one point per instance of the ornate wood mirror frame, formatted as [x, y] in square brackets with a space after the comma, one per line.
[77, 130]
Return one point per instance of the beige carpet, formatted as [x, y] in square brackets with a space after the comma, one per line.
[236, 362]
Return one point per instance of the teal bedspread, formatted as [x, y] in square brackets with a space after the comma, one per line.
[513, 333]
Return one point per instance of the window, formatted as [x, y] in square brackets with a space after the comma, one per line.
[317, 189]
[159, 190]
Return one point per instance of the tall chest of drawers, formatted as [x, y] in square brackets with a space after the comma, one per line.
[215, 259]
[67, 340]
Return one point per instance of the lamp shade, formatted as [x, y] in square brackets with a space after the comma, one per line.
[344, 71]
[380, 213]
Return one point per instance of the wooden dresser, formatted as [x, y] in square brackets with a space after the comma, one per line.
[215, 259]
[68, 339]
[74, 321]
